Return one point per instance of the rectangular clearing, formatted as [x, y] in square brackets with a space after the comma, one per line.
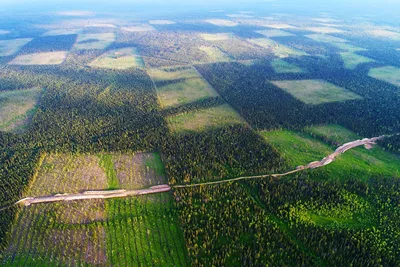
[139, 28]
[278, 49]
[275, 33]
[316, 92]
[120, 59]
[96, 41]
[216, 36]
[388, 74]
[46, 58]
[281, 66]
[12, 46]
[214, 54]
[17, 107]
[222, 22]
[205, 119]
[352, 60]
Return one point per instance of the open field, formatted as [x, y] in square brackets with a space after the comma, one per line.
[202, 120]
[216, 36]
[381, 33]
[47, 58]
[388, 74]
[17, 108]
[334, 133]
[183, 92]
[316, 92]
[324, 30]
[12, 46]
[352, 60]
[279, 26]
[170, 74]
[161, 22]
[120, 59]
[326, 38]
[62, 32]
[222, 22]
[281, 66]
[299, 149]
[325, 20]
[275, 33]
[97, 41]
[278, 49]
[348, 47]
[214, 54]
[139, 28]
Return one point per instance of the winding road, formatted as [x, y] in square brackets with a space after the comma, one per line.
[367, 142]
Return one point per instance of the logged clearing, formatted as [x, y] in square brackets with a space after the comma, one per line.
[46, 58]
[97, 41]
[326, 38]
[139, 28]
[278, 49]
[120, 59]
[316, 92]
[388, 74]
[205, 119]
[12, 46]
[57, 32]
[281, 66]
[183, 92]
[214, 54]
[279, 26]
[161, 22]
[139, 170]
[275, 33]
[170, 74]
[352, 60]
[324, 29]
[222, 22]
[17, 107]
[216, 36]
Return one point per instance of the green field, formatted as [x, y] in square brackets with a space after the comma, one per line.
[17, 108]
[334, 133]
[281, 66]
[202, 120]
[316, 92]
[301, 149]
[120, 59]
[352, 60]
[279, 50]
[214, 54]
[97, 41]
[387, 74]
[169, 74]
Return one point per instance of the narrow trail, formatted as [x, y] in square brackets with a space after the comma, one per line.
[367, 142]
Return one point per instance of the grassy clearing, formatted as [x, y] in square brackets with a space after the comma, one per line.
[316, 92]
[279, 26]
[334, 133]
[204, 119]
[324, 38]
[275, 33]
[170, 74]
[12, 46]
[349, 48]
[97, 41]
[352, 60]
[161, 22]
[279, 50]
[324, 30]
[120, 59]
[387, 74]
[184, 92]
[140, 170]
[214, 54]
[107, 164]
[301, 149]
[47, 58]
[281, 66]
[57, 32]
[139, 28]
[17, 107]
[222, 22]
[216, 36]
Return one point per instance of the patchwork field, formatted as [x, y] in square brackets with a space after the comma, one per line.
[119, 232]
[278, 49]
[275, 33]
[352, 60]
[12, 46]
[96, 41]
[47, 58]
[139, 28]
[388, 74]
[17, 108]
[222, 22]
[281, 66]
[316, 92]
[214, 54]
[300, 149]
[205, 119]
[121, 59]
[216, 36]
